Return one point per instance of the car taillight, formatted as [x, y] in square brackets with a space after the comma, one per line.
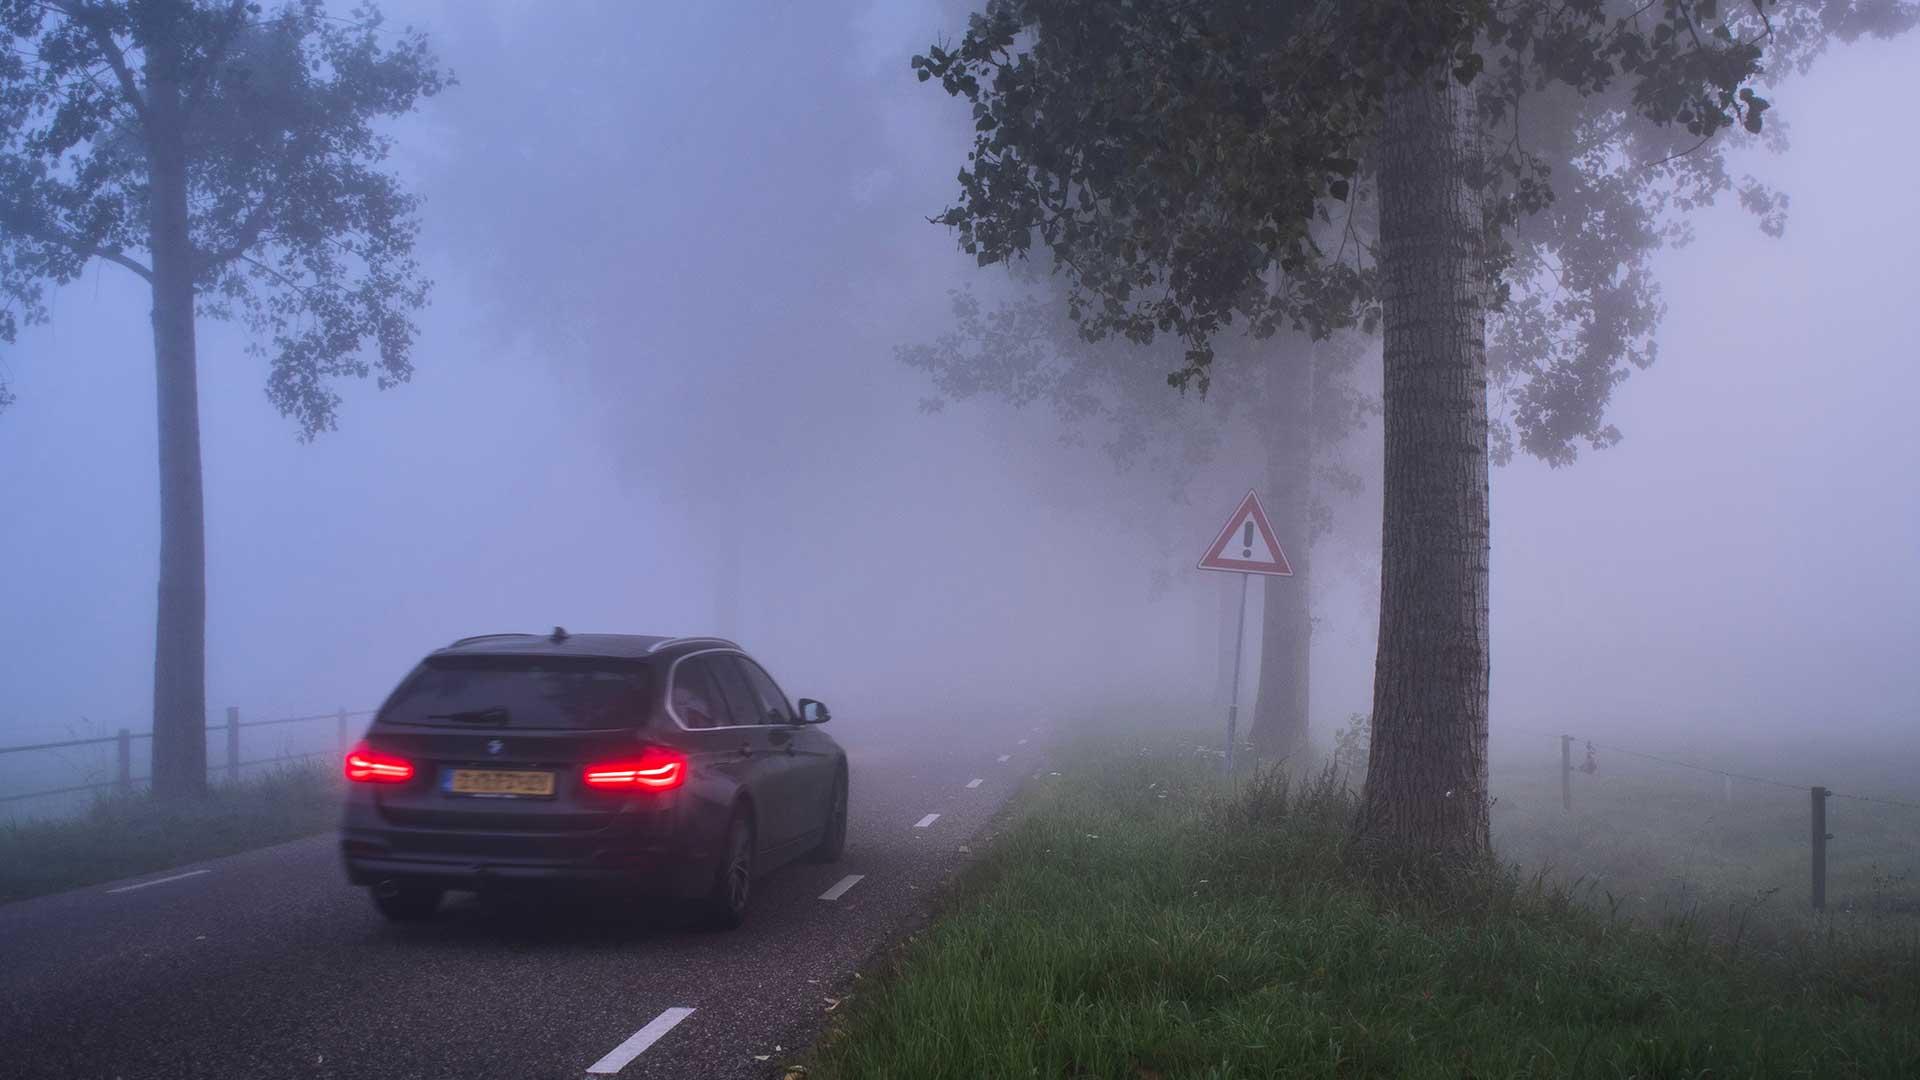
[656, 769]
[372, 767]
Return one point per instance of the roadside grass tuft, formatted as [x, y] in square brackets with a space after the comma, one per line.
[127, 835]
[1139, 920]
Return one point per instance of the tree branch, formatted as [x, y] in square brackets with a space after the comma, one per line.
[1677, 156]
[299, 287]
[257, 219]
[248, 235]
[89, 17]
[49, 233]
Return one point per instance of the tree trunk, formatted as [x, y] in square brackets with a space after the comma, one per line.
[1279, 728]
[179, 656]
[1426, 790]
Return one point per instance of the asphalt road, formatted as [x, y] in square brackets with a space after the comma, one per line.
[266, 964]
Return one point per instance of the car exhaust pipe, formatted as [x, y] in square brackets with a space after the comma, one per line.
[387, 889]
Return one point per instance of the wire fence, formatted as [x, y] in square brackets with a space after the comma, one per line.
[1818, 794]
[229, 764]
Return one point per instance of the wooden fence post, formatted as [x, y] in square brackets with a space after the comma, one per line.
[1820, 838]
[123, 780]
[1566, 772]
[233, 744]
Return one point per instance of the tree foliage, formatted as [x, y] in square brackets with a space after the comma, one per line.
[296, 231]
[1025, 350]
[1193, 166]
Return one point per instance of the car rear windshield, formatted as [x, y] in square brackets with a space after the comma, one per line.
[523, 692]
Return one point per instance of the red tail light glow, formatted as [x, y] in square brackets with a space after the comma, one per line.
[656, 769]
[372, 767]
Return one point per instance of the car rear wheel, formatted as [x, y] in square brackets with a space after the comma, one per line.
[726, 906]
[407, 903]
[833, 842]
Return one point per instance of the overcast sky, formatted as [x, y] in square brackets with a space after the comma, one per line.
[675, 246]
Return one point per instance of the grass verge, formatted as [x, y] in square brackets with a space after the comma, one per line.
[1139, 921]
[126, 835]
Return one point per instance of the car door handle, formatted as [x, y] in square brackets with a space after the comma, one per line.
[746, 749]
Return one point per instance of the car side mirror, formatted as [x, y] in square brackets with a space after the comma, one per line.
[814, 712]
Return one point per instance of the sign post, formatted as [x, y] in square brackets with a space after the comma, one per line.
[1239, 650]
[1246, 546]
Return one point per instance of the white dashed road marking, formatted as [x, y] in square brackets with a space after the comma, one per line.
[926, 821]
[840, 889]
[974, 783]
[637, 1043]
[1022, 742]
[1004, 758]
[160, 881]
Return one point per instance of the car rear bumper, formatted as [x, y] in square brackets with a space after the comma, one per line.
[663, 872]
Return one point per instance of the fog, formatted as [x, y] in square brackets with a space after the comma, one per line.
[675, 247]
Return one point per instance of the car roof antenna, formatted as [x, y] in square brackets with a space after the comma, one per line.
[560, 633]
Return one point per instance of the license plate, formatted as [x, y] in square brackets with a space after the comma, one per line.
[498, 782]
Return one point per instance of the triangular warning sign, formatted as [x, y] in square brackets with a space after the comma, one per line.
[1247, 545]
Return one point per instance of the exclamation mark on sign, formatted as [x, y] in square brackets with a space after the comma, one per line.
[1246, 542]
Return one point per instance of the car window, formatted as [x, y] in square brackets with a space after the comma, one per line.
[522, 692]
[773, 703]
[741, 700]
[696, 700]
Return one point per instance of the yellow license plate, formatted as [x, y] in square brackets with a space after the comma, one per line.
[499, 782]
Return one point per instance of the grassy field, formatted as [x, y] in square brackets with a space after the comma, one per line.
[126, 835]
[1137, 920]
